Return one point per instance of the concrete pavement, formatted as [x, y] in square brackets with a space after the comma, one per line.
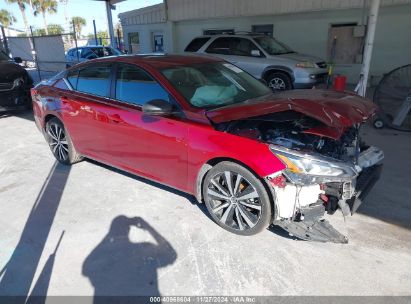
[123, 234]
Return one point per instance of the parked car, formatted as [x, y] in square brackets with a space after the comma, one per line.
[265, 58]
[202, 125]
[84, 53]
[15, 84]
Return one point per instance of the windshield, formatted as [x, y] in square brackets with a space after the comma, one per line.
[272, 46]
[214, 84]
[3, 56]
[106, 51]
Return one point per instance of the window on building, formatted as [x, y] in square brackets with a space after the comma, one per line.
[266, 29]
[345, 44]
[95, 80]
[135, 86]
[196, 44]
[219, 32]
[133, 43]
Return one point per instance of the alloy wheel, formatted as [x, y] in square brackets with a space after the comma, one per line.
[277, 84]
[234, 200]
[58, 141]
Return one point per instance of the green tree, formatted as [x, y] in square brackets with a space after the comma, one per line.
[39, 32]
[55, 29]
[22, 8]
[42, 7]
[6, 18]
[78, 23]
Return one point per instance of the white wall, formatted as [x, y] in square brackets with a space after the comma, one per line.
[179, 10]
[308, 33]
[146, 35]
[305, 32]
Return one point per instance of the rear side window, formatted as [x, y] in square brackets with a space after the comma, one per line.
[220, 46]
[196, 44]
[72, 78]
[60, 84]
[135, 86]
[95, 80]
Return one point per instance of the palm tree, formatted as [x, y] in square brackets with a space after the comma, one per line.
[78, 23]
[6, 18]
[42, 7]
[64, 2]
[22, 8]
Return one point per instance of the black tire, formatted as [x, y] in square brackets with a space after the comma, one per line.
[231, 213]
[378, 123]
[279, 81]
[60, 143]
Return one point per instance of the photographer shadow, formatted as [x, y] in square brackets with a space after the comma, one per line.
[119, 267]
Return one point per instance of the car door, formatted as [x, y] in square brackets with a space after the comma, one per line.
[153, 146]
[84, 108]
[239, 51]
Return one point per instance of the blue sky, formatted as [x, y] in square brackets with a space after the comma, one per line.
[88, 9]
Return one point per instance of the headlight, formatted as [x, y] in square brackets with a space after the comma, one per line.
[18, 82]
[307, 168]
[306, 65]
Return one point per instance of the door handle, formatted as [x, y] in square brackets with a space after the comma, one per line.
[116, 118]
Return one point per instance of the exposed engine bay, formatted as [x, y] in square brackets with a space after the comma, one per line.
[327, 168]
[297, 131]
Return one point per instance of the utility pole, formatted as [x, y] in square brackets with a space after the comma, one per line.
[5, 43]
[369, 43]
[33, 51]
[95, 32]
[75, 41]
[109, 7]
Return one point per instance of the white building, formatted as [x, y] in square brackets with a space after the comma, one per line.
[308, 26]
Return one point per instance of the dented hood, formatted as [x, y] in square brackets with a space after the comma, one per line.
[334, 109]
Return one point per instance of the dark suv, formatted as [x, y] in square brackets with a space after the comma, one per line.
[15, 84]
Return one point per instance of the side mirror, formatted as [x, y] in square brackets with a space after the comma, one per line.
[158, 107]
[255, 53]
[17, 60]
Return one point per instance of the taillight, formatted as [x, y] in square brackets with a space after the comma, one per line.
[34, 94]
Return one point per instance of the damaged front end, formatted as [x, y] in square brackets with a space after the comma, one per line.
[327, 169]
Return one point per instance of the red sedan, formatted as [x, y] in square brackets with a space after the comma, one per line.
[206, 127]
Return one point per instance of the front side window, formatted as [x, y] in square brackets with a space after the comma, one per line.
[72, 77]
[272, 46]
[3, 56]
[243, 47]
[95, 80]
[136, 86]
[210, 85]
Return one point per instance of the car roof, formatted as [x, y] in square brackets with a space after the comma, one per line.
[251, 35]
[89, 46]
[161, 61]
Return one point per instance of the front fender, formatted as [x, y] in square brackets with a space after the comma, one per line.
[206, 144]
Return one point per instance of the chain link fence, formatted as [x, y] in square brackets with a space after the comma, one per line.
[45, 55]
